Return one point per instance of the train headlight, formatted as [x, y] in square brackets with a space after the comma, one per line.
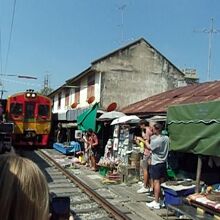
[33, 95]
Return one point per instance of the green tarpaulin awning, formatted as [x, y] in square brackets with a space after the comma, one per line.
[195, 128]
[88, 118]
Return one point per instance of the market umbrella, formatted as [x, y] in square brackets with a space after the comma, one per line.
[157, 118]
[126, 119]
[110, 115]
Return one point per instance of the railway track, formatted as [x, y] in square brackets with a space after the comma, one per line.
[85, 203]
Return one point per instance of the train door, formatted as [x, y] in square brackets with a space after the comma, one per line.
[29, 117]
[29, 121]
[29, 112]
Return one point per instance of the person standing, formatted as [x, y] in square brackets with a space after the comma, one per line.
[146, 134]
[87, 149]
[1, 113]
[159, 146]
[93, 144]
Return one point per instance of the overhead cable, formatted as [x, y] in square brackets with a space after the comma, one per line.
[10, 35]
[1, 49]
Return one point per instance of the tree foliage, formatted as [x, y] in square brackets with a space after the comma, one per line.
[46, 91]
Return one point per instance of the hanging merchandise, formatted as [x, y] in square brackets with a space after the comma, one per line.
[122, 154]
[116, 131]
[115, 144]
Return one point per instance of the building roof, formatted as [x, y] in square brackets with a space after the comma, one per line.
[159, 103]
[69, 81]
[138, 41]
[57, 90]
[75, 78]
[89, 69]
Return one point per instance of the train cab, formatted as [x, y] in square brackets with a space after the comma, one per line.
[31, 114]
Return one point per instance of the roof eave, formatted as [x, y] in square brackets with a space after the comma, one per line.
[75, 78]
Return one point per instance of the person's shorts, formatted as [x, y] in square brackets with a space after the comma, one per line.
[158, 171]
[144, 162]
[94, 151]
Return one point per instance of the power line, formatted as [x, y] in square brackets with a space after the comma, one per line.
[21, 82]
[1, 49]
[210, 33]
[19, 76]
[10, 35]
[1, 84]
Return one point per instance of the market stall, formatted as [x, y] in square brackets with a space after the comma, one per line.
[121, 153]
[194, 128]
[70, 145]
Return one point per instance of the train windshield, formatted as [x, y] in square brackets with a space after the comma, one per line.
[16, 108]
[43, 110]
[29, 110]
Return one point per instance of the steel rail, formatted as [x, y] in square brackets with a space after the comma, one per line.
[109, 208]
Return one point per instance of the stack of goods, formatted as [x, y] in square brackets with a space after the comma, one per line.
[210, 197]
[108, 160]
[135, 160]
[112, 178]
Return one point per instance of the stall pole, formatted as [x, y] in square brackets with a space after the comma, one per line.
[198, 173]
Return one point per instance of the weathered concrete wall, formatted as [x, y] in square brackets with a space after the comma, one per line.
[134, 74]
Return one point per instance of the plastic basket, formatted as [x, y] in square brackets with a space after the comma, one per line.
[103, 171]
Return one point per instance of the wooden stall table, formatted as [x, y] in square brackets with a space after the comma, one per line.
[189, 211]
[204, 204]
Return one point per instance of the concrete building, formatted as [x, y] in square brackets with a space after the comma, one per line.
[190, 75]
[125, 76]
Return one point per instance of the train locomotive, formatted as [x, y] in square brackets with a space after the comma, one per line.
[31, 114]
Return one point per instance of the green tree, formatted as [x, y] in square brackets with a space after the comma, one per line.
[46, 91]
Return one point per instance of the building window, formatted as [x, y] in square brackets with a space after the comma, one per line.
[59, 100]
[77, 94]
[67, 97]
[91, 86]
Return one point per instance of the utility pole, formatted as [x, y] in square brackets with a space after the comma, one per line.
[210, 33]
[2, 91]
[122, 8]
[46, 87]
[46, 81]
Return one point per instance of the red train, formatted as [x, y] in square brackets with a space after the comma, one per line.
[31, 114]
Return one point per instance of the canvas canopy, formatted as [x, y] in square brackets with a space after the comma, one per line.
[195, 128]
[88, 118]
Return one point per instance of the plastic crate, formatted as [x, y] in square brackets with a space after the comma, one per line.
[172, 197]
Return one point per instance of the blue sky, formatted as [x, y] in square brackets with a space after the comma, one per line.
[62, 38]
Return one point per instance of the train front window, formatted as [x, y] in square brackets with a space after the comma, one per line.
[43, 110]
[16, 109]
[29, 110]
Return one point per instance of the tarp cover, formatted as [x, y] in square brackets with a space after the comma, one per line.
[88, 118]
[195, 128]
